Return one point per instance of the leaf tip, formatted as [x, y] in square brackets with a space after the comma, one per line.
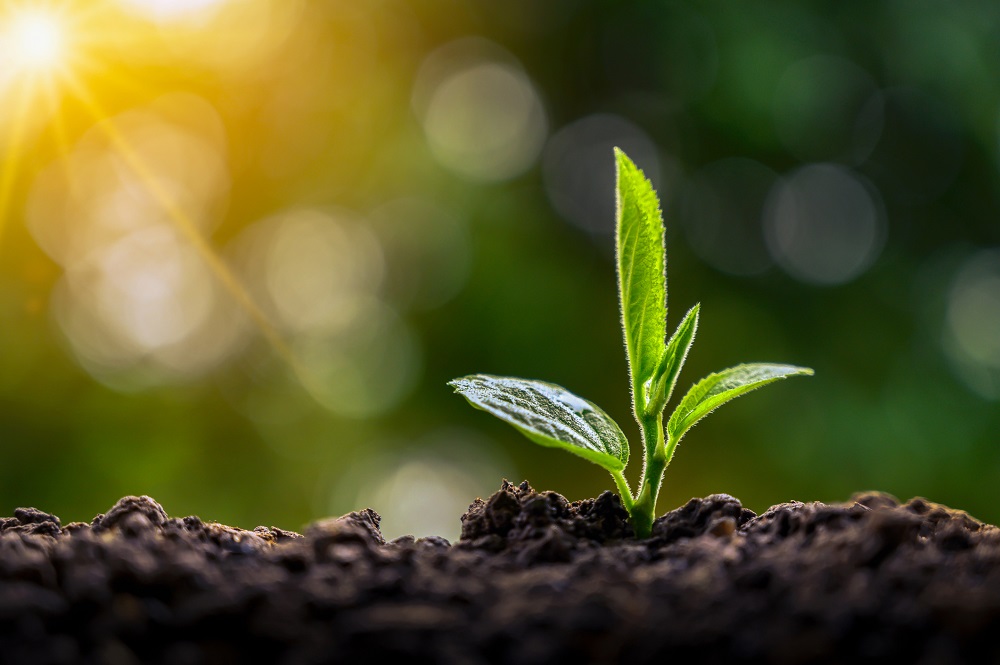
[459, 383]
[623, 161]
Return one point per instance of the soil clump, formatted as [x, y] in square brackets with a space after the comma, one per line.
[533, 579]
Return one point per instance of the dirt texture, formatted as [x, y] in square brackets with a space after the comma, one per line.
[533, 579]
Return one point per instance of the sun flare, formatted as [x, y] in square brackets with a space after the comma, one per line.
[57, 62]
[35, 40]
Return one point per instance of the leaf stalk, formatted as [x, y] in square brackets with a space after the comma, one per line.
[624, 490]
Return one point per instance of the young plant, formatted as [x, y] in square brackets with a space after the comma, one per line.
[552, 416]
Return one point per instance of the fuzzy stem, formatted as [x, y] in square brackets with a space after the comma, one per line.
[624, 490]
[654, 464]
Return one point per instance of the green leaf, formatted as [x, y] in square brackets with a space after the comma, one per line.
[716, 389]
[550, 416]
[661, 386]
[642, 277]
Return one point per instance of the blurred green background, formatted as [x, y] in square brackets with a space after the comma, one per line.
[245, 244]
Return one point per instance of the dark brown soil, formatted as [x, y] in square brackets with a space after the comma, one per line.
[534, 579]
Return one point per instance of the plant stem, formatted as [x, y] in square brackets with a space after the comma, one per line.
[654, 464]
[624, 490]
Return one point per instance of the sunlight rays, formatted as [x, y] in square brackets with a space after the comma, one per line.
[56, 47]
[185, 225]
[34, 46]
[12, 156]
[58, 124]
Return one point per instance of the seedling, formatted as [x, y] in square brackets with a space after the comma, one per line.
[552, 416]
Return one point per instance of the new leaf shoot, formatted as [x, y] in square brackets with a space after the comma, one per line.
[552, 416]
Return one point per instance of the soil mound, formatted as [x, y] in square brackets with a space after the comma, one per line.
[533, 579]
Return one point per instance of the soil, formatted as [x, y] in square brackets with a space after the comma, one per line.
[533, 579]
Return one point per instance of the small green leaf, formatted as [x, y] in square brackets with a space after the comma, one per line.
[642, 277]
[661, 386]
[550, 416]
[716, 389]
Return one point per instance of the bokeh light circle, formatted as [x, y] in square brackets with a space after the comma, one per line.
[310, 269]
[366, 368]
[420, 486]
[824, 225]
[145, 310]
[318, 273]
[579, 168]
[482, 116]
[138, 302]
[972, 333]
[94, 195]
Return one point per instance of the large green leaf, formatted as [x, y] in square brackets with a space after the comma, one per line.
[642, 277]
[716, 389]
[550, 416]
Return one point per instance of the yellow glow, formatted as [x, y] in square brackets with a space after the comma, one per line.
[188, 228]
[172, 9]
[35, 40]
[10, 162]
[51, 49]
